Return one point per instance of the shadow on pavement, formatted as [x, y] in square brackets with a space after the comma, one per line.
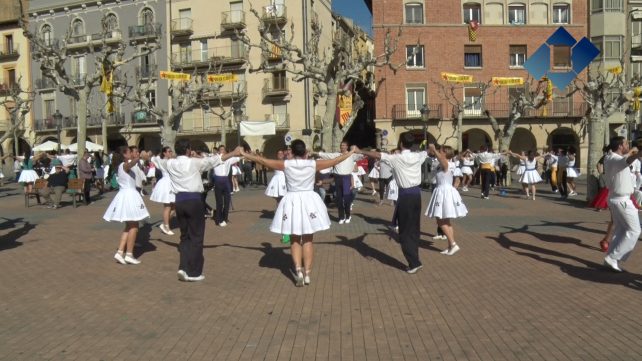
[591, 271]
[367, 251]
[10, 240]
[143, 244]
[273, 257]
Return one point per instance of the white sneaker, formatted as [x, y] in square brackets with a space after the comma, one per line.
[165, 229]
[195, 279]
[223, 224]
[439, 237]
[348, 219]
[464, 189]
[306, 279]
[182, 276]
[612, 264]
[342, 221]
[412, 271]
[445, 251]
[131, 260]
[453, 250]
[298, 278]
[119, 258]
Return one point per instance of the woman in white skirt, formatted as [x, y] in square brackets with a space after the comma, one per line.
[571, 172]
[521, 167]
[236, 172]
[530, 177]
[445, 202]
[301, 212]
[127, 206]
[374, 174]
[457, 173]
[467, 164]
[28, 176]
[277, 187]
[162, 192]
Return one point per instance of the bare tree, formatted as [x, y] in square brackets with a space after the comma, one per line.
[333, 71]
[17, 103]
[55, 59]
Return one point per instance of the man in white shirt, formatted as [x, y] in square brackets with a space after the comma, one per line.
[626, 222]
[406, 168]
[68, 160]
[185, 176]
[223, 187]
[343, 181]
[562, 164]
[487, 161]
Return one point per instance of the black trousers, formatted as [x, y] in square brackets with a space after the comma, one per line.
[87, 190]
[192, 225]
[561, 182]
[222, 191]
[408, 218]
[344, 199]
[486, 178]
[383, 183]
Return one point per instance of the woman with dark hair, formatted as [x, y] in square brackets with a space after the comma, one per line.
[127, 206]
[571, 172]
[301, 212]
[28, 176]
[99, 178]
[530, 177]
[162, 192]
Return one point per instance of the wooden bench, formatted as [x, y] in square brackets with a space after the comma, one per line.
[35, 191]
[75, 188]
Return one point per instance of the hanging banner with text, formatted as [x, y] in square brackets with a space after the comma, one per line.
[221, 78]
[170, 75]
[457, 78]
[499, 81]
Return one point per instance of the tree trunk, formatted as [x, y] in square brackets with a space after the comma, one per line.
[329, 142]
[168, 134]
[104, 134]
[81, 133]
[460, 143]
[596, 143]
[504, 145]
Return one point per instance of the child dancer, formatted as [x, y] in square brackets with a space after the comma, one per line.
[467, 163]
[162, 192]
[445, 203]
[530, 177]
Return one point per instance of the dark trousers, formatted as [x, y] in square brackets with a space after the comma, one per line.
[344, 199]
[87, 190]
[561, 182]
[486, 178]
[383, 183]
[222, 191]
[192, 224]
[408, 218]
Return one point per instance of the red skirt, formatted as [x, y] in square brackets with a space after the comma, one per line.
[601, 199]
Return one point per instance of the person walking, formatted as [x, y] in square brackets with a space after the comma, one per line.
[185, 176]
[85, 172]
[301, 212]
[626, 222]
[406, 168]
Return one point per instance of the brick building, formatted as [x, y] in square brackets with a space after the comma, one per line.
[509, 32]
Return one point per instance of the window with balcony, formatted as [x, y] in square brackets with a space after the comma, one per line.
[78, 68]
[279, 80]
[415, 100]
[561, 57]
[472, 101]
[517, 14]
[472, 12]
[610, 47]
[77, 27]
[414, 13]
[472, 56]
[8, 44]
[517, 56]
[203, 44]
[46, 34]
[415, 56]
[48, 108]
[561, 14]
[151, 97]
[11, 77]
[146, 16]
[185, 53]
[598, 6]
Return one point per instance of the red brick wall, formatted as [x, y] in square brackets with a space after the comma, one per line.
[444, 36]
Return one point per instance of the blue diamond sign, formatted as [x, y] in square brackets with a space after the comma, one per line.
[582, 54]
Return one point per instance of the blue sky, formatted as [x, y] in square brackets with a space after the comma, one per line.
[356, 10]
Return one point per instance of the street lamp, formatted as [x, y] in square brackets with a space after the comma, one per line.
[57, 116]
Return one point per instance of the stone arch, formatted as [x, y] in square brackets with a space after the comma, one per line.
[474, 138]
[272, 145]
[418, 135]
[564, 138]
[523, 140]
[115, 141]
[150, 142]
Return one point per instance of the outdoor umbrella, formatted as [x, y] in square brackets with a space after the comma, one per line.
[48, 146]
[91, 147]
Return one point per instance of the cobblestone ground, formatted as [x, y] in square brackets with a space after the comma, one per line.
[528, 284]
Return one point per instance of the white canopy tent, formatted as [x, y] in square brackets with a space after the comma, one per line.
[91, 147]
[48, 146]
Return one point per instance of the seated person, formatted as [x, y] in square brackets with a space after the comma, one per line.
[56, 183]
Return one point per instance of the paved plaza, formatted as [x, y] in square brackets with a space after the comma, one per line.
[528, 284]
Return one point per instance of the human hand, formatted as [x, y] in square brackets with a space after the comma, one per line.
[355, 149]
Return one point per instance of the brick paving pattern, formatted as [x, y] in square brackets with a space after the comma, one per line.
[528, 284]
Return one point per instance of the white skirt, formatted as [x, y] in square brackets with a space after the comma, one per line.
[236, 170]
[393, 190]
[457, 172]
[530, 177]
[357, 184]
[151, 173]
[374, 173]
[162, 192]
[126, 206]
[100, 172]
[520, 170]
[446, 203]
[467, 170]
[276, 188]
[572, 172]
[28, 176]
[361, 171]
[300, 213]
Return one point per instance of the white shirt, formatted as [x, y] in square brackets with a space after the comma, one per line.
[487, 158]
[223, 170]
[406, 167]
[617, 176]
[344, 168]
[385, 171]
[185, 172]
[67, 159]
[139, 176]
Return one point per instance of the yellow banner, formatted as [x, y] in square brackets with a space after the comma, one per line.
[615, 70]
[457, 78]
[170, 75]
[499, 81]
[345, 108]
[221, 78]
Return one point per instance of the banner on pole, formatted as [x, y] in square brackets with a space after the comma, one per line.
[457, 78]
[221, 78]
[345, 108]
[170, 75]
[501, 81]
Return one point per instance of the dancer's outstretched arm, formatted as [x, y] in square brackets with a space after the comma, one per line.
[271, 163]
[327, 163]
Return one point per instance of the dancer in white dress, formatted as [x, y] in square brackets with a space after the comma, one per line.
[457, 173]
[522, 166]
[277, 187]
[445, 203]
[467, 164]
[572, 172]
[162, 192]
[374, 174]
[127, 206]
[301, 212]
[28, 176]
[530, 177]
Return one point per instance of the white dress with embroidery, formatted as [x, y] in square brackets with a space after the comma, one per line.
[457, 171]
[162, 192]
[301, 211]
[571, 171]
[127, 205]
[530, 176]
[446, 201]
[393, 190]
[277, 187]
[374, 172]
[521, 168]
